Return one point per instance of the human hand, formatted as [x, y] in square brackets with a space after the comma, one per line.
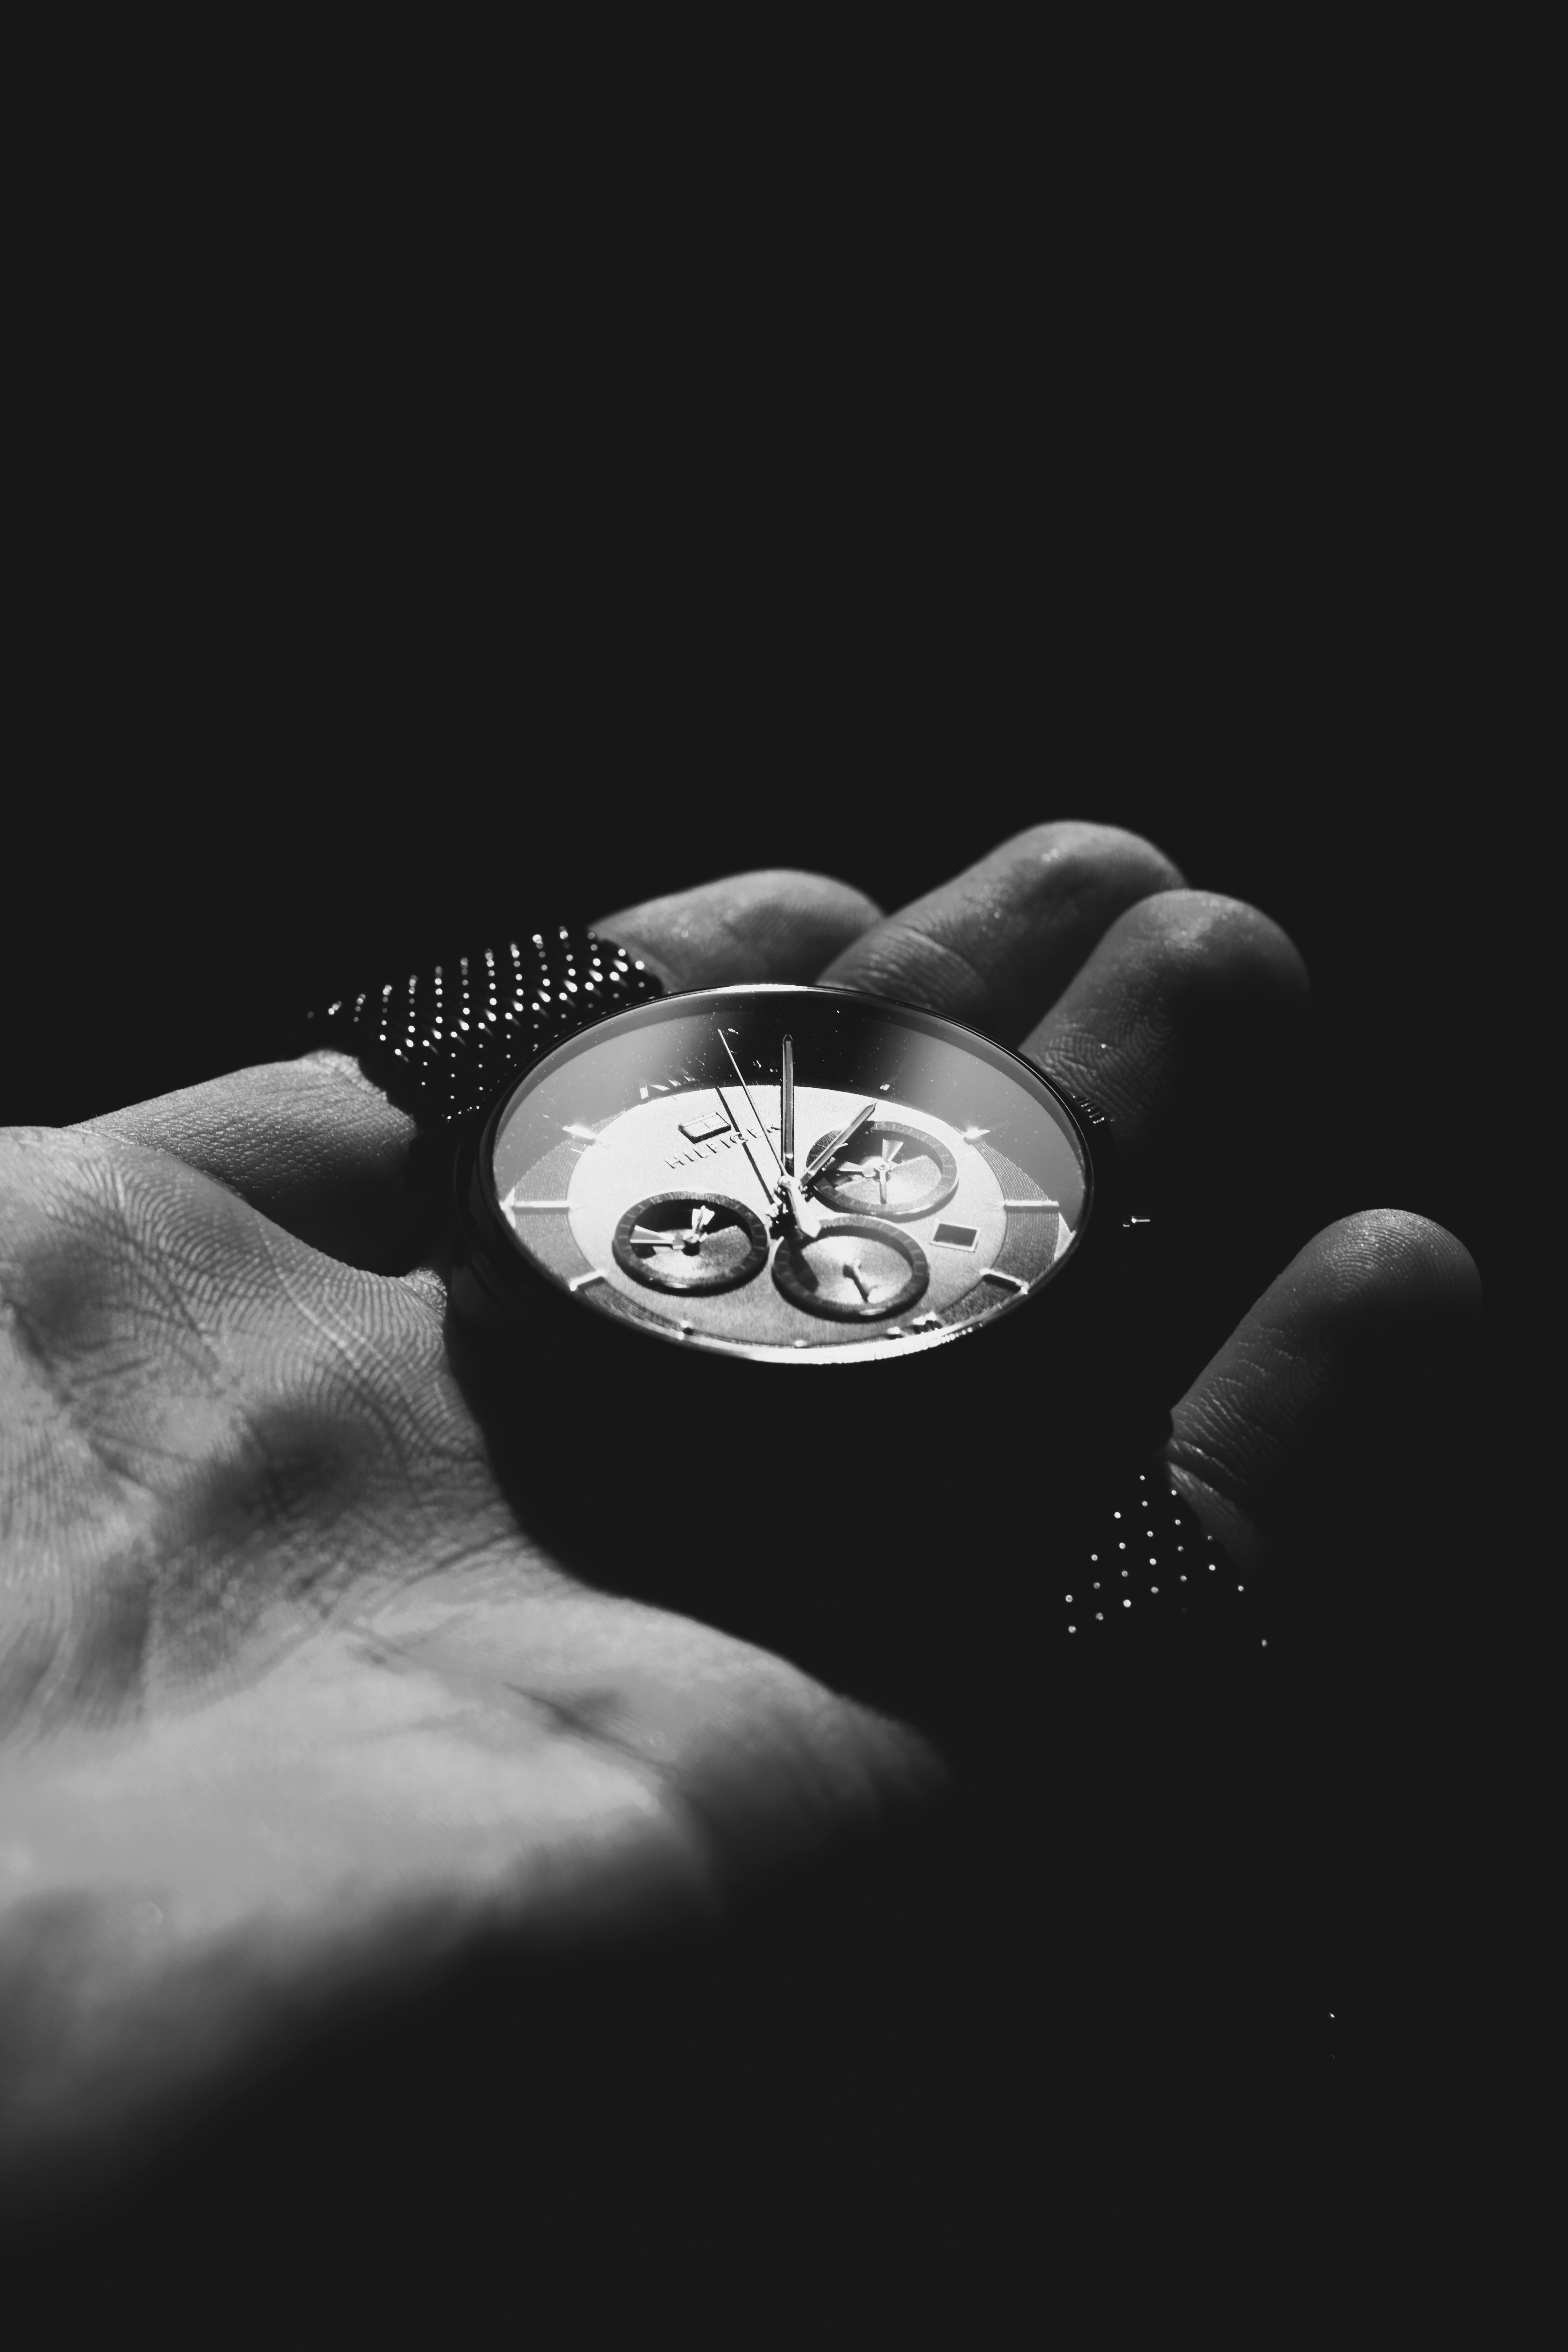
[303, 1708]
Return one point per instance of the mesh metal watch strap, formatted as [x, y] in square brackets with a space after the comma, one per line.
[1148, 1568]
[442, 1042]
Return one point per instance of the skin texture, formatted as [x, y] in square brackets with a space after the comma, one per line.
[303, 1704]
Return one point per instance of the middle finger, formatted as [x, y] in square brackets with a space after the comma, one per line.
[1164, 1007]
[997, 944]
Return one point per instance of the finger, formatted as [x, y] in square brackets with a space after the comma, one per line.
[1185, 1009]
[996, 946]
[1356, 1339]
[771, 926]
[317, 1147]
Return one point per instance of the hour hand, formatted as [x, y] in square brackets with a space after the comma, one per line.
[830, 1152]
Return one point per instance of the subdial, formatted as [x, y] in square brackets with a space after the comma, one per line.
[889, 1169]
[691, 1242]
[856, 1270]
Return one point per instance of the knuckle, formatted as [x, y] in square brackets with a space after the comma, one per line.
[765, 924]
[917, 964]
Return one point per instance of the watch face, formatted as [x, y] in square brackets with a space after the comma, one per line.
[793, 1173]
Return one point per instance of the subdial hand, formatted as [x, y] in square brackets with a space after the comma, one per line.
[852, 1271]
[881, 1167]
[674, 1237]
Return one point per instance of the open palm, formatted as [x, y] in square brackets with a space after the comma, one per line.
[301, 1702]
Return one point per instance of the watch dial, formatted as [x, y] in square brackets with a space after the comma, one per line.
[788, 1173]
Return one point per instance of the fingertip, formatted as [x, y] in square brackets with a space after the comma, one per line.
[1206, 940]
[1139, 865]
[1353, 1344]
[1418, 1258]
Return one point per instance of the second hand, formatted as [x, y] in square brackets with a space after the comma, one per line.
[809, 1225]
[740, 1137]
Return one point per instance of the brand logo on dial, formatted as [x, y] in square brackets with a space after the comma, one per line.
[722, 1144]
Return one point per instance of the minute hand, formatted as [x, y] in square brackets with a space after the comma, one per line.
[800, 1209]
[830, 1150]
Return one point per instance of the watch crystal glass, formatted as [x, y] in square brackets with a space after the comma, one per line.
[788, 1173]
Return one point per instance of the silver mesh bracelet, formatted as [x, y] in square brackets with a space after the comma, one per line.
[1149, 1566]
[441, 1043]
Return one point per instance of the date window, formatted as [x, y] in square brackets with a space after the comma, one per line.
[702, 1124]
[958, 1237]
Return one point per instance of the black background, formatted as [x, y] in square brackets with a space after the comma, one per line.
[431, 544]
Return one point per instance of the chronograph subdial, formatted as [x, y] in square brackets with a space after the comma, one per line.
[889, 1169]
[855, 1270]
[690, 1243]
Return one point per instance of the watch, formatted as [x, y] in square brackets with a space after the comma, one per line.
[750, 1251]
[782, 1184]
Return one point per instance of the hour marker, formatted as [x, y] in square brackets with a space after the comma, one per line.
[1041, 1204]
[1009, 1281]
[517, 1207]
[581, 1281]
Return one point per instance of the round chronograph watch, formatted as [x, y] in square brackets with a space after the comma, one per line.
[805, 1226]
[790, 1177]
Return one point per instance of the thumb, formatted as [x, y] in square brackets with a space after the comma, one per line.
[313, 1144]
